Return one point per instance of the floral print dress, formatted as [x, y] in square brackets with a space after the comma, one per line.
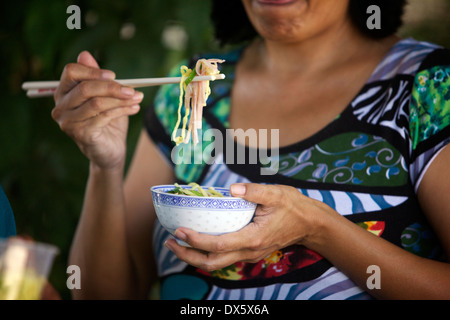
[367, 165]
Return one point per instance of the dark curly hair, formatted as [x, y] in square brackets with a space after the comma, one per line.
[232, 25]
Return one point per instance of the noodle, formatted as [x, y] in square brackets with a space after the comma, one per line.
[195, 96]
[196, 190]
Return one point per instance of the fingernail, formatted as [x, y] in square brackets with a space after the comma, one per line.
[180, 235]
[238, 190]
[138, 96]
[108, 75]
[135, 107]
[167, 245]
[127, 91]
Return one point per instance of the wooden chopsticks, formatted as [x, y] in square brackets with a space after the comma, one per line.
[37, 89]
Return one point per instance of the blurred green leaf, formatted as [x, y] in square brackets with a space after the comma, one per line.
[41, 169]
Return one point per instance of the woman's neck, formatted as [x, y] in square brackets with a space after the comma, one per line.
[320, 53]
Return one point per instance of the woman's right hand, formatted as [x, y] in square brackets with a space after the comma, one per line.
[93, 110]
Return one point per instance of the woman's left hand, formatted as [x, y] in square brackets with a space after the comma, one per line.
[283, 217]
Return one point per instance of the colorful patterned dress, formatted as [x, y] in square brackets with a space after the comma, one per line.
[367, 165]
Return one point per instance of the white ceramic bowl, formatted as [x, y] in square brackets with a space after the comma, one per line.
[210, 215]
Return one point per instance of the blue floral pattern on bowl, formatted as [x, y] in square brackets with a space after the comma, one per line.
[160, 195]
[210, 215]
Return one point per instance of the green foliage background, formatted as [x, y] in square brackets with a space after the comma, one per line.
[41, 170]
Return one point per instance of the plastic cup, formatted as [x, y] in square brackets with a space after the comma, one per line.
[24, 268]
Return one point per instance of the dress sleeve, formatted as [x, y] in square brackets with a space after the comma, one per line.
[7, 221]
[429, 113]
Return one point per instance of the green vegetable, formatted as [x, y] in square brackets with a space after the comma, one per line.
[195, 190]
[190, 78]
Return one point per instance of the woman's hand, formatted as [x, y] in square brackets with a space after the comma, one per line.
[93, 110]
[283, 217]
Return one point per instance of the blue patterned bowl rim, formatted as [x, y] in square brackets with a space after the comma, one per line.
[161, 196]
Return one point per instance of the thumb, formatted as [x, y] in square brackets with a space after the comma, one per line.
[267, 195]
[85, 58]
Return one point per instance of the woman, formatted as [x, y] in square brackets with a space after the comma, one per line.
[363, 125]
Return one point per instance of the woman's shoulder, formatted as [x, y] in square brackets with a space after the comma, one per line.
[430, 99]
[408, 56]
